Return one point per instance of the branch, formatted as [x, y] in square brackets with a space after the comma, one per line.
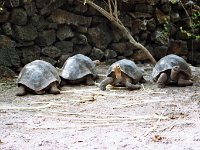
[120, 25]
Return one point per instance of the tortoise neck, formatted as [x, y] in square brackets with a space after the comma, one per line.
[118, 72]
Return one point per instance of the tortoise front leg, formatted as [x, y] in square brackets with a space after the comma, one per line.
[89, 80]
[105, 82]
[182, 81]
[63, 82]
[21, 90]
[54, 88]
[162, 80]
[131, 86]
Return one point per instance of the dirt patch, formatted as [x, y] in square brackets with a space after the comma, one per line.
[83, 117]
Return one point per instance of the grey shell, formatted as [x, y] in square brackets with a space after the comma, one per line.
[37, 75]
[128, 67]
[168, 62]
[77, 67]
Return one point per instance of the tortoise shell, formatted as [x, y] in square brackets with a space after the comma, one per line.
[168, 62]
[37, 75]
[77, 67]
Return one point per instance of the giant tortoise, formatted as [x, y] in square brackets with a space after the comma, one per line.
[78, 68]
[172, 69]
[38, 77]
[123, 73]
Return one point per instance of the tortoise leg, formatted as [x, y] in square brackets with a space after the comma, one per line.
[54, 89]
[89, 80]
[105, 82]
[63, 82]
[131, 86]
[182, 81]
[21, 90]
[142, 80]
[162, 80]
[174, 73]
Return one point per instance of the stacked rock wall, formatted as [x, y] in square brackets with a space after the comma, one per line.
[53, 30]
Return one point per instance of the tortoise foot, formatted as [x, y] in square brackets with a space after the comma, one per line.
[160, 85]
[54, 90]
[21, 91]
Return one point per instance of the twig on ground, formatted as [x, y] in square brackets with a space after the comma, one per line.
[170, 126]
[155, 126]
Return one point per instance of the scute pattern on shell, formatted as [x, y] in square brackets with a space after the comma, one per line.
[168, 62]
[37, 75]
[77, 67]
[128, 67]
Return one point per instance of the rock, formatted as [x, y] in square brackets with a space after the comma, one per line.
[127, 20]
[48, 59]
[14, 3]
[160, 51]
[39, 22]
[52, 26]
[138, 15]
[6, 42]
[160, 37]
[51, 51]
[9, 57]
[80, 8]
[181, 36]
[144, 8]
[64, 32]
[96, 54]
[30, 54]
[65, 46]
[166, 8]
[80, 39]
[53, 5]
[25, 33]
[123, 48]
[25, 43]
[46, 38]
[144, 35]
[109, 54]
[160, 16]
[175, 16]
[7, 29]
[138, 25]
[100, 36]
[30, 8]
[151, 24]
[63, 17]
[81, 29]
[6, 72]
[82, 49]
[97, 20]
[139, 55]
[4, 16]
[178, 47]
[152, 2]
[62, 59]
[19, 16]
[110, 61]
[41, 3]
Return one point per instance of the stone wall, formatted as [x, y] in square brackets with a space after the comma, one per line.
[53, 30]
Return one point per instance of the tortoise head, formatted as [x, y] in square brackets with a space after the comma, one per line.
[118, 71]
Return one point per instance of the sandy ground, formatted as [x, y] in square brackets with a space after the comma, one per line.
[84, 118]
